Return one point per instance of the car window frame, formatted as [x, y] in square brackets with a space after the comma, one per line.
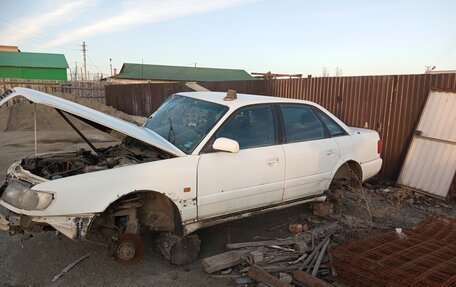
[344, 132]
[277, 130]
[226, 109]
[326, 131]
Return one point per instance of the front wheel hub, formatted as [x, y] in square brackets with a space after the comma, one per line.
[126, 250]
[130, 249]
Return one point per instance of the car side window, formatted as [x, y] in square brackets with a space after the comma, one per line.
[301, 123]
[334, 129]
[251, 127]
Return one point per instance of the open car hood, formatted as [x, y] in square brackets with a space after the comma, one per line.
[95, 118]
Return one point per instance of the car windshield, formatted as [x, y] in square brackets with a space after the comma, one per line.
[185, 121]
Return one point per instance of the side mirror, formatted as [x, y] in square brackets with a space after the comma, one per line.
[225, 144]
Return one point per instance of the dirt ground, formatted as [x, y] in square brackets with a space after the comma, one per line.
[35, 261]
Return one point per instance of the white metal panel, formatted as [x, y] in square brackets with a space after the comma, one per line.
[430, 164]
[439, 117]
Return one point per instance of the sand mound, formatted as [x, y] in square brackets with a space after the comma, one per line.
[20, 117]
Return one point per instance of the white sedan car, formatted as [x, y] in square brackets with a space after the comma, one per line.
[201, 159]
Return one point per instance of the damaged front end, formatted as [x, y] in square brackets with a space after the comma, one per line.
[18, 196]
[21, 199]
[24, 202]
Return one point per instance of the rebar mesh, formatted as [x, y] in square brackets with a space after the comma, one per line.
[425, 256]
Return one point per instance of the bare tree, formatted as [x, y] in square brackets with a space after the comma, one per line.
[338, 71]
[325, 72]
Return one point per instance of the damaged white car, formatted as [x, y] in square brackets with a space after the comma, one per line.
[201, 159]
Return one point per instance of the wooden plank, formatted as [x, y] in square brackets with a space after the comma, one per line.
[260, 243]
[223, 260]
[306, 237]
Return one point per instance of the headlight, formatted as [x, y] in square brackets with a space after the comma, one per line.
[20, 195]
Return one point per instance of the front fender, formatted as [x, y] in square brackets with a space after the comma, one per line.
[94, 192]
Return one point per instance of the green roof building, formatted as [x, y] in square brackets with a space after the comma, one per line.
[161, 73]
[21, 65]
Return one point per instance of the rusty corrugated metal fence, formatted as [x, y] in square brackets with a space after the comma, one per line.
[389, 104]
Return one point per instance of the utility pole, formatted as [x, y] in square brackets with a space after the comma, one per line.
[110, 66]
[84, 51]
[75, 71]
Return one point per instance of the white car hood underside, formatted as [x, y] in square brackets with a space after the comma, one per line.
[140, 133]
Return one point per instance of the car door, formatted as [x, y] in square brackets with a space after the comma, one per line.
[311, 153]
[251, 178]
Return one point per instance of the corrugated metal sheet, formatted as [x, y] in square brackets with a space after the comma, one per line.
[141, 99]
[36, 60]
[180, 73]
[430, 164]
[389, 104]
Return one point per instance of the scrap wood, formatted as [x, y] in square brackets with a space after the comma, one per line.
[309, 280]
[307, 237]
[281, 258]
[299, 259]
[320, 257]
[223, 260]
[68, 267]
[260, 243]
[266, 278]
[254, 256]
[318, 232]
[315, 251]
[281, 248]
[279, 267]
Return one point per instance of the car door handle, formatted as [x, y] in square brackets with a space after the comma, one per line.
[329, 151]
[272, 161]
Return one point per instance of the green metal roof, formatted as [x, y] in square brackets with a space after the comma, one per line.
[34, 60]
[179, 73]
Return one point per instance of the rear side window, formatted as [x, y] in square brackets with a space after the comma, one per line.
[301, 123]
[334, 129]
[251, 127]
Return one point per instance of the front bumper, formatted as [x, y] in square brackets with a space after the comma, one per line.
[73, 227]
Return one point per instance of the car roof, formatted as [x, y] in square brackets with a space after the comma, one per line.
[242, 99]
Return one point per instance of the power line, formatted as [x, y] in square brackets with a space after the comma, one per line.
[447, 51]
[93, 64]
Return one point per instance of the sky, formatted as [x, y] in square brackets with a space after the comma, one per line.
[360, 37]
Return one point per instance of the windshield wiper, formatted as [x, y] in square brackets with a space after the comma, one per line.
[171, 135]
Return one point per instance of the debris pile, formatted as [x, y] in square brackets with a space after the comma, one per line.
[301, 257]
[359, 237]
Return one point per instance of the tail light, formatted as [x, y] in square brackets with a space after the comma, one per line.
[379, 146]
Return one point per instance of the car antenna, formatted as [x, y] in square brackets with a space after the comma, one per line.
[230, 95]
